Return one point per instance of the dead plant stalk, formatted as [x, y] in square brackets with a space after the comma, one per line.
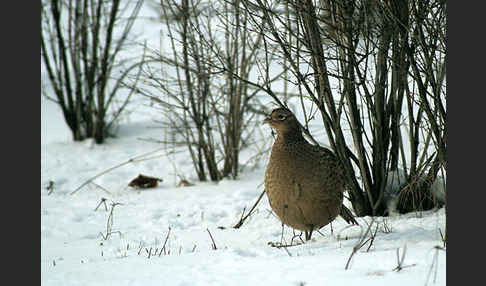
[362, 241]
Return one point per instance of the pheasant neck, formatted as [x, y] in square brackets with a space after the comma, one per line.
[290, 136]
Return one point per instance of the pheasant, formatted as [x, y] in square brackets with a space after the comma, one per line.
[304, 182]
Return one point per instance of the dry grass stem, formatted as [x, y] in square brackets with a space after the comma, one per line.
[140, 158]
[400, 260]
[434, 265]
[109, 223]
[101, 188]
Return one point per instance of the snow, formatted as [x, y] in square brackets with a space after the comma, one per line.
[74, 252]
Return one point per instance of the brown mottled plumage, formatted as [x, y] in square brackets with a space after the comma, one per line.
[304, 182]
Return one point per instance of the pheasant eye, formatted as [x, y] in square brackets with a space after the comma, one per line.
[281, 117]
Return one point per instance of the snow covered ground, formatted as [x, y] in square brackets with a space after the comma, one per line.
[74, 251]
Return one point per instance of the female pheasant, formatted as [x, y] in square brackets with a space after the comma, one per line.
[304, 183]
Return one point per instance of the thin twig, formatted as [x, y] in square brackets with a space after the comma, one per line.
[443, 238]
[281, 245]
[360, 243]
[286, 250]
[281, 235]
[372, 239]
[242, 220]
[319, 232]
[295, 236]
[103, 201]
[163, 247]
[149, 252]
[213, 244]
[140, 247]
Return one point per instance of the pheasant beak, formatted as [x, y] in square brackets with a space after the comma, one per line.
[267, 119]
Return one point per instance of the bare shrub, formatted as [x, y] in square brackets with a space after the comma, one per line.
[80, 50]
[200, 83]
[375, 72]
